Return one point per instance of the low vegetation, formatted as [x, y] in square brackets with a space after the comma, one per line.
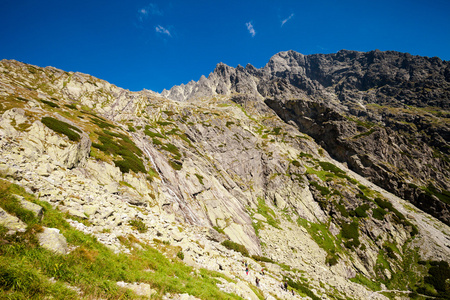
[236, 247]
[62, 127]
[126, 155]
[26, 268]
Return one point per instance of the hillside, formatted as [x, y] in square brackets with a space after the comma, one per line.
[169, 194]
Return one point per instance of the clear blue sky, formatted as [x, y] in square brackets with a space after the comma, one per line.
[157, 44]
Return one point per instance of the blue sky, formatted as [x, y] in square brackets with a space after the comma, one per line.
[158, 44]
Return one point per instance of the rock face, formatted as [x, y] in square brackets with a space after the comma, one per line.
[245, 157]
[385, 114]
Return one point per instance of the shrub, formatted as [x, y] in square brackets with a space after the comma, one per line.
[322, 189]
[236, 247]
[130, 163]
[341, 208]
[331, 260]
[101, 123]
[164, 123]
[439, 274]
[180, 255]
[62, 127]
[138, 225]
[49, 103]
[379, 213]
[360, 211]
[443, 195]
[326, 166]
[398, 216]
[303, 154]
[155, 141]
[301, 288]
[172, 149]
[276, 131]
[176, 165]
[263, 259]
[351, 234]
[296, 163]
[71, 106]
[200, 178]
[151, 133]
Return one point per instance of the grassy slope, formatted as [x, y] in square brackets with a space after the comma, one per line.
[26, 268]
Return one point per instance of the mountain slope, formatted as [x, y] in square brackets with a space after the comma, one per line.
[206, 175]
[385, 114]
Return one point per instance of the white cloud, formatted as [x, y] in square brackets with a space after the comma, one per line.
[287, 19]
[162, 30]
[250, 28]
[151, 9]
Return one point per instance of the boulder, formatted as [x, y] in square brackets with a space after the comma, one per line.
[42, 140]
[12, 223]
[37, 210]
[140, 289]
[52, 240]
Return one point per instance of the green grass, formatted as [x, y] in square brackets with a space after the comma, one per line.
[323, 238]
[267, 212]
[26, 268]
[301, 288]
[200, 178]
[361, 279]
[62, 127]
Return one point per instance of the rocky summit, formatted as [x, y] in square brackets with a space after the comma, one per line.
[315, 177]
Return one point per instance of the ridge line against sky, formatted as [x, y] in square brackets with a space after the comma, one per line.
[158, 44]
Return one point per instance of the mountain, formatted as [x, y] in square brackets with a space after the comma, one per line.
[384, 114]
[299, 168]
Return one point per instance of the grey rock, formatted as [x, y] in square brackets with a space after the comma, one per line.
[12, 223]
[53, 240]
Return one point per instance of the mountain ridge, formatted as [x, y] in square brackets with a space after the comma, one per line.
[239, 168]
[342, 85]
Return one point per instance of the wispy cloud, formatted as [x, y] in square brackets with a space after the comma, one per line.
[149, 10]
[287, 19]
[250, 28]
[162, 30]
